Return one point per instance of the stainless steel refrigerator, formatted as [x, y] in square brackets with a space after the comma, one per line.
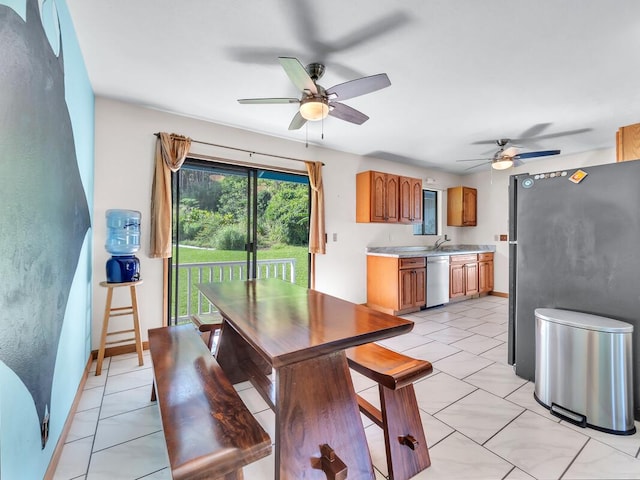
[575, 246]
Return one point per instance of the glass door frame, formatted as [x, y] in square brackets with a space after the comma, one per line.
[251, 244]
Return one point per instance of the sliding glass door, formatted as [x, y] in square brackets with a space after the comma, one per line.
[235, 223]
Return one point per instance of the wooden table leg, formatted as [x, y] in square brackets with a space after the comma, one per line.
[241, 362]
[230, 354]
[316, 405]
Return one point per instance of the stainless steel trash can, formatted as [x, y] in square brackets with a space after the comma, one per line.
[584, 369]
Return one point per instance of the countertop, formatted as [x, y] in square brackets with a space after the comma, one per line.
[421, 251]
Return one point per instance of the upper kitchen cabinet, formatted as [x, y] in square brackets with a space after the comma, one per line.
[461, 206]
[377, 197]
[410, 200]
[387, 198]
[628, 143]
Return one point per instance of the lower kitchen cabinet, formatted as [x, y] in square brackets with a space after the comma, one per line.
[485, 272]
[463, 275]
[396, 285]
[412, 288]
[456, 280]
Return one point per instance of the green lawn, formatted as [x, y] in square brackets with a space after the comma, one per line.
[196, 255]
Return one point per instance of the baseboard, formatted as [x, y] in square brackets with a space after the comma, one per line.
[57, 452]
[499, 294]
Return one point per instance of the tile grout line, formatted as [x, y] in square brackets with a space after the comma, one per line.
[95, 433]
[524, 410]
[575, 458]
[509, 473]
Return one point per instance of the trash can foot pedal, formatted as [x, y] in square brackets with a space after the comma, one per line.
[568, 415]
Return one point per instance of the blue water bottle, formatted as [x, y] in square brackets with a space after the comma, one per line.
[123, 240]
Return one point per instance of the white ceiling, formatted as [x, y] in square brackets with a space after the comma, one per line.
[462, 71]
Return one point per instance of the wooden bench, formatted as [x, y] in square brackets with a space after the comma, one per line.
[209, 431]
[208, 325]
[399, 417]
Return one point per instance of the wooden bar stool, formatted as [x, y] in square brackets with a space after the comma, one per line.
[110, 311]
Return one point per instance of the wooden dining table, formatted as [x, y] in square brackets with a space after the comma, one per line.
[290, 343]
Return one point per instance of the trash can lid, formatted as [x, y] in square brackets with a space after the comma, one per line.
[583, 320]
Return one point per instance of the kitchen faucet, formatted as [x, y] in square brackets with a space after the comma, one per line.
[441, 241]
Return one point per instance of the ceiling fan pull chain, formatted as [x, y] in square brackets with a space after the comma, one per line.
[322, 129]
[306, 135]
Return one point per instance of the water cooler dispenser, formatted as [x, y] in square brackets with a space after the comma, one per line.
[123, 240]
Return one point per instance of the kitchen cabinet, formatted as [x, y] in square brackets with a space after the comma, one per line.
[396, 285]
[388, 198]
[456, 280]
[463, 275]
[377, 197]
[485, 272]
[461, 206]
[628, 143]
[410, 200]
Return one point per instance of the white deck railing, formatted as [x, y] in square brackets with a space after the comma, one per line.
[190, 274]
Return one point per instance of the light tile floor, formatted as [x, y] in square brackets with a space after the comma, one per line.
[480, 419]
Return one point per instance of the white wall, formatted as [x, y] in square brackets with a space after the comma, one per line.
[493, 203]
[123, 173]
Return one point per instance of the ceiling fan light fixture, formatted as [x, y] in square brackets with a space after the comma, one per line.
[314, 109]
[502, 163]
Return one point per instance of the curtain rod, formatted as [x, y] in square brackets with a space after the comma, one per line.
[226, 161]
[250, 152]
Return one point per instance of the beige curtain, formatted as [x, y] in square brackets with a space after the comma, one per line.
[171, 150]
[317, 242]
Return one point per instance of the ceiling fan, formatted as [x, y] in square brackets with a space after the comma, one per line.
[536, 132]
[317, 102]
[316, 41]
[507, 157]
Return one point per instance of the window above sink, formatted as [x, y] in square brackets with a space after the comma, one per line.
[431, 214]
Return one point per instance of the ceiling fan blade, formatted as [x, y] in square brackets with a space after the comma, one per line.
[542, 153]
[268, 100]
[556, 135]
[298, 75]
[533, 134]
[533, 131]
[309, 32]
[484, 142]
[379, 27]
[297, 122]
[344, 112]
[476, 166]
[475, 160]
[257, 55]
[517, 162]
[359, 86]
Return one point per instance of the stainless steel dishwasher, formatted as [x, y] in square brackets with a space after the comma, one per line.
[437, 280]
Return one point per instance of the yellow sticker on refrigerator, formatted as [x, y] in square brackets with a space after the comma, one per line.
[578, 176]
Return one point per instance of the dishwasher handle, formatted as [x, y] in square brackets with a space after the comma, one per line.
[438, 259]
